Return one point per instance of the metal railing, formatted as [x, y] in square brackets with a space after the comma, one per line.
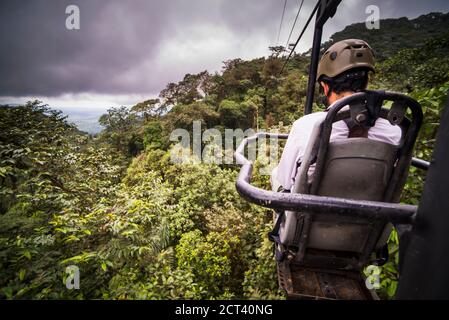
[396, 213]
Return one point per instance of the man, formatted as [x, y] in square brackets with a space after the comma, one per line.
[342, 71]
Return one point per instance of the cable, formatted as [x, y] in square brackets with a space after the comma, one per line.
[294, 23]
[282, 20]
[302, 32]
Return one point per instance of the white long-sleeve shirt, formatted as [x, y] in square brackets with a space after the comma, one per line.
[300, 135]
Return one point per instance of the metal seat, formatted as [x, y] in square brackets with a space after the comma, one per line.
[354, 168]
[336, 222]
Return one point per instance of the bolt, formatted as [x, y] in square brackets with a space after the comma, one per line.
[360, 118]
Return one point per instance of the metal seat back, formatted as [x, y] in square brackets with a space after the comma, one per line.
[356, 168]
[353, 168]
[359, 169]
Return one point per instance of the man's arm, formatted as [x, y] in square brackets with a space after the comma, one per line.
[294, 149]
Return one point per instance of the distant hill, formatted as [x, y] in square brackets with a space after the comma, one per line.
[396, 34]
[86, 120]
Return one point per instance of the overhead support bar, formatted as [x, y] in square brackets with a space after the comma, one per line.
[326, 10]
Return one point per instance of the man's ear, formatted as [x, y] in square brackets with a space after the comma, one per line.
[325, 87]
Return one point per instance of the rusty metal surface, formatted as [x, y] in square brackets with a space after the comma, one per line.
[306, 283]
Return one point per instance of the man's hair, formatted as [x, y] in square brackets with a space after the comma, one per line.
[354, 80]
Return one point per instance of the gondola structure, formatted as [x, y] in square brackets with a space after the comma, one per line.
[328, 229]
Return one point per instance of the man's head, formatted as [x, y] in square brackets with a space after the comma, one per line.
[344, 68]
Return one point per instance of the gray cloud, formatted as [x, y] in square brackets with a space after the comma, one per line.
[136, 47]
[40, 56]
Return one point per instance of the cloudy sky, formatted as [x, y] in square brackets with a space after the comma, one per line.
[127, 51]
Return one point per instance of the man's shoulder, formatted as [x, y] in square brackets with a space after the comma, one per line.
[309, 119]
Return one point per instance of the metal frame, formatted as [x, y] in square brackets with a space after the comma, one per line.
[327, 9]
[420, 163]
[424, 258]
[313, 204]
[406, 149]
[413, 282]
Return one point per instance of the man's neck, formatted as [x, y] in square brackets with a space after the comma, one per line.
[334, 97]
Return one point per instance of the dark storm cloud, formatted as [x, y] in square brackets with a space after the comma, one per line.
[40, 56]
[136, 47]
[116, 48]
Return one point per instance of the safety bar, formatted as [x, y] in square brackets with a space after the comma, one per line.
[396, 213]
